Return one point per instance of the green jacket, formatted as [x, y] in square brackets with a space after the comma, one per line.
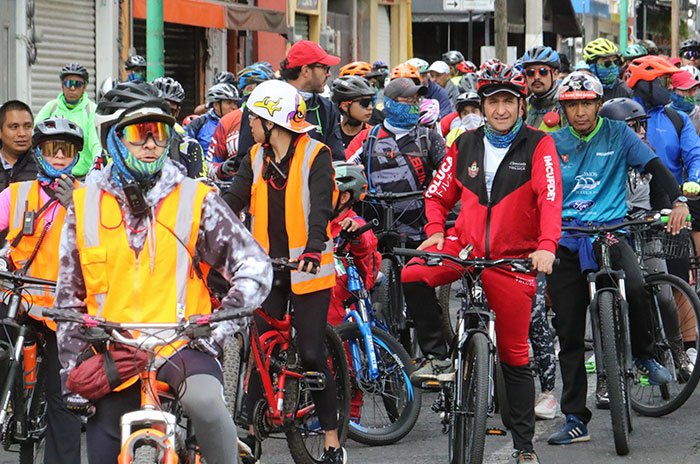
[83, 114]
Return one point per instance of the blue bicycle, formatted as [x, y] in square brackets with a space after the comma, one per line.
[384, 406]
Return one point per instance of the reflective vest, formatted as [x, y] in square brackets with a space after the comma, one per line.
[297, 204]
[27, 196]
[160, 284]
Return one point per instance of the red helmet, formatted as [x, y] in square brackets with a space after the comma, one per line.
[495, 77]
[466, 67]
[189, 119]
[648, 68]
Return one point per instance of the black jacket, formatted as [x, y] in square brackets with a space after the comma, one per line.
[619, 90]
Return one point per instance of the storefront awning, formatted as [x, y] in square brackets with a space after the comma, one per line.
[219, 15]
[564, 19]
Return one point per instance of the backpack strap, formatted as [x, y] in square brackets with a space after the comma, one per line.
[369, 151]
[675, 118]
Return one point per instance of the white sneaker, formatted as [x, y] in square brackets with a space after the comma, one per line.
[546, 407]
[692, 354]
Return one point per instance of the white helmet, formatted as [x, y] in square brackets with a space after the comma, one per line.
[695, 72]
[280, 103]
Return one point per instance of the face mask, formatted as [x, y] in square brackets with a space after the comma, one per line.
[471, 121]
[607, 76]
[136, 76]
[681, 103]
[401, 115]
[126, 164]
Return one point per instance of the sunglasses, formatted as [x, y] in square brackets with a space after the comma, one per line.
[637, 125]
[689, 54]
[52, 148]
[365, 102]
[137, 134]
[543, 71]
[68, 83]
[607, 64]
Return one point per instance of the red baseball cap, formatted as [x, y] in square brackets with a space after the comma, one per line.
[308, 52]
[676, 62]
[683, 80]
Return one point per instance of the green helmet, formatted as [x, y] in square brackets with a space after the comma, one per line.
[350, 177]
[634, 51]
[598, 48]
[420, 64]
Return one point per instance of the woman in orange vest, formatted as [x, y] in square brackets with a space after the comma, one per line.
[33, 212]
[288, 181]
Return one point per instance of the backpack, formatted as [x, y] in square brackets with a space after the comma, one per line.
[675, 118]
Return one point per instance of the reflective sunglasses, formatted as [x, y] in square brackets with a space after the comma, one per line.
[51, 148]
[544, 71]
[68, 83]
[607, 64]
[690, 54]
[138, 133]
[637, 125]
[365, 102]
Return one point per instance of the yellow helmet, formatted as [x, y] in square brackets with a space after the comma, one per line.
[597, 48]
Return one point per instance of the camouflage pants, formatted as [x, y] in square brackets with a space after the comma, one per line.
[541, 338]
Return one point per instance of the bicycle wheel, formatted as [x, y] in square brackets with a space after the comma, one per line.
[389, 404]
[670, 294]
[470, 403]
[388, 303]
[445, 315]
[305, 438]
[614, 362]
[145, 454]
[231, 368]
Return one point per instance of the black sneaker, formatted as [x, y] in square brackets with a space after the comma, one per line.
[249, 450]
[334, 456]
[602, 400]
[525, 456]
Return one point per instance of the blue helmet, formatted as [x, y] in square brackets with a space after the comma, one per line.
[254, 74]
[541, 55]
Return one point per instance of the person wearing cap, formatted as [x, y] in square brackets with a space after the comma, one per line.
[399, 155]
[435, 91]
[167, 222]
[440, 74]
[74, 104]
[685, 89]
[307, 68]
[284, 163]
[469, 115]
[541, 68]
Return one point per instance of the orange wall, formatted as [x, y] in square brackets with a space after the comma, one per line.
[269, 46]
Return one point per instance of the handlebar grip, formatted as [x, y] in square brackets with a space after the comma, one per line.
[664, 219]
[408, 252]
[228, 314]
[62, 315]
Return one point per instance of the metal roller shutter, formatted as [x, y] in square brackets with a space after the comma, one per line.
[68, 36]
[301, 26]
[7, 50]
[384, 34]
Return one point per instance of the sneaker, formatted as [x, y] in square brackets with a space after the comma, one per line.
[684, 366]
[334, 456]
[602, 400]
[526, 456]
[692, 355]
[546, 406]
[246, 449]
[573, 431]
[431, 369]
[655, 372]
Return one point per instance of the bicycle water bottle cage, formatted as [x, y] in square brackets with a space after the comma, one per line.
[315, 381]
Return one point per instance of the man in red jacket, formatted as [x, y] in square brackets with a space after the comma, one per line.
[507, 176]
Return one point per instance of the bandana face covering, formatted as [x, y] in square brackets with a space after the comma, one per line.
[502, 139]
[607, 76]
[126, 164]
[401, 115]
[682, 103]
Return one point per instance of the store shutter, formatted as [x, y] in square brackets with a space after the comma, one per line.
[301, 27]
[67, 36]
[384, 34]
[8, 75]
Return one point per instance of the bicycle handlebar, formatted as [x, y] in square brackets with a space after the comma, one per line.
[523, 265]
[601, 229]
[391, 197]
[22, 279]
[346, 236]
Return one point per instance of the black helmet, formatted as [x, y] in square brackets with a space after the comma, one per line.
[467, 98]
[453, 57]
[135, 62]
[74, 68]
[348, 88]
[107, 85]
[225, 77]
[350, 177]
[622, 109]
[468, 83]
[57, 129]
[218, 92]
[541, 55]
[131, 102]
[172, 89]
[690, 44]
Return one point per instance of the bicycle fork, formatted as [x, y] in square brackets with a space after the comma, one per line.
[13, 377]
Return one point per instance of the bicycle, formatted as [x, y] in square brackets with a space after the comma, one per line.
[286, 406]
[24, 404]
[380, 365]
[466, 401]
[152, 434]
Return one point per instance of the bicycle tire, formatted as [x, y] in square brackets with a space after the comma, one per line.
[305, 439]
[145, 454]
[655, 401]
[391, 393]
[388, 303]
[231, 368]
[468, 426]
[613, 360]
[445, 315]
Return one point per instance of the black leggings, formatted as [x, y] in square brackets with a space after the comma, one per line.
[310, 314]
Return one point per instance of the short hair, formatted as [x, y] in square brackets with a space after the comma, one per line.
[13, 105]
[289, 74]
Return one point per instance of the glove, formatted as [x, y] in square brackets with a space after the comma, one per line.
[313, 258]
[228, 168]
[64, 190]
[691, 188]
[206, 345]
[79, 405]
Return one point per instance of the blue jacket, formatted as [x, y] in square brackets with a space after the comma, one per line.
[203, 128]
[438, 93]
[682, 157]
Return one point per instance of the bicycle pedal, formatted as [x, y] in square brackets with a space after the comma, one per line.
[430, 385]
[314, 380]
[496, 431]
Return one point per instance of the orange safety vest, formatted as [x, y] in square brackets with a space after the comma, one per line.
[297, 204]
[158, 285]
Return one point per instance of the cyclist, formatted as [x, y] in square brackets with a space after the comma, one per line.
[399, 156]
[73, 104]
[221, 99]
[541, 68]
[135, 67]
[183, 149]
[176, 223]
[454, 58]
[250, 77]
[434, 92]
[377, 79]
[469, 111]
[507, 176]
[15, 150]
[466, 85]
[223, 77]
[685, 89]
[307, 67]
[650, 45]
[440, 74]
[429, 114]
[632, 52]
[288, 223]
[355, 99]
[603, 58]
[595, 154]
[690, 53]
[373, 76]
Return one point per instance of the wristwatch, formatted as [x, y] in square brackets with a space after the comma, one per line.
[681, 199]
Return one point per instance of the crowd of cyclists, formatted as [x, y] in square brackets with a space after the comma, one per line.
[135, 209]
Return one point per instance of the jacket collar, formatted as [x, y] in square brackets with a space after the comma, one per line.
[170, 177]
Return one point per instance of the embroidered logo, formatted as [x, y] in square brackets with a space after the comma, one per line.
[473, 170]
[565, 158]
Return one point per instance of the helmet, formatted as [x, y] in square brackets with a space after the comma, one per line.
[134, 62]
[172, 89]
[467, 98]
[689, 45]
[254, 74]
[650, 45]
[189, 119]
[420, 64]
[634, 51]
[74, 68]
[648, 68]
[453, 57]
[281, 103]
[218, 92]
[356, 68]
[348, 88]
[541, 55]
[130, 102]
[405, 70]
[429, 112]
[582, 66]
[695, 72]
[495, 76]
[225, 77]
[468, 83]
[466, 67]
[598, 48]
[580, 85]
[380, 66]
[107, 85]
[350, 177]
[57, 129]
[622, 109]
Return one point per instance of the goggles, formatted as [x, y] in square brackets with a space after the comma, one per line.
[690, 54]
[75, 83]
[138, 133]
[365, 102]
[637, 125]
[52, 148]
[543, 71]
